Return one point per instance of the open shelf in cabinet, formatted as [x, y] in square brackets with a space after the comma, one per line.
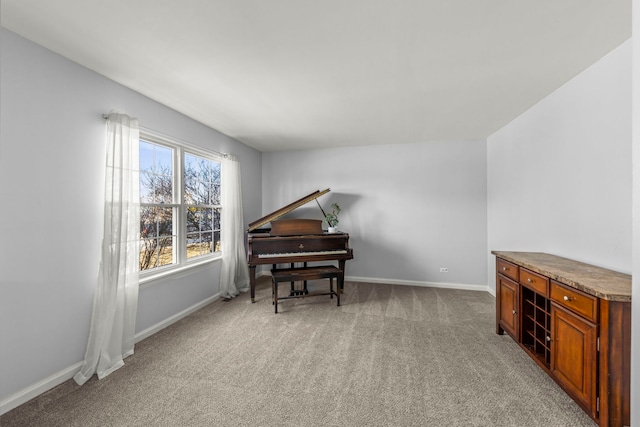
[536, 325]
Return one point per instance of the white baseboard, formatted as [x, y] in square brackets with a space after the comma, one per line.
[58, 378]
[173, 319]
[34, 390]
[462, 286]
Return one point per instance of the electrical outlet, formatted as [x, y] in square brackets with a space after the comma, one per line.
[444, 269]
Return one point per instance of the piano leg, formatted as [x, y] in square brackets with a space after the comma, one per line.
[340, 286]
[305, 290]
[293, 289]
[252, 282]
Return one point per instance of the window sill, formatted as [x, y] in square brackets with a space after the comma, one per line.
[177, 271]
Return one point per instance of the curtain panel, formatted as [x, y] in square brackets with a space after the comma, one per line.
[234, 273]
[112, 331]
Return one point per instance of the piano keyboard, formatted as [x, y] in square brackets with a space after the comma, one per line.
[294, 254]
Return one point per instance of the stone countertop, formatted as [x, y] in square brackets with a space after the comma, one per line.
[600, 282]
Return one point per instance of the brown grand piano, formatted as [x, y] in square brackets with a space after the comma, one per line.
[293, 240]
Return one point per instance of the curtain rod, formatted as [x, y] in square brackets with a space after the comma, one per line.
[182, 141]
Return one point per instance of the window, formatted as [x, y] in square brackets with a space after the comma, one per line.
[202, 203]
[179, 204]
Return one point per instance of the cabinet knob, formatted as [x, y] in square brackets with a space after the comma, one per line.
[529, 280]
[566, 298]
[513, 311]
[504, 268]
[548, 338]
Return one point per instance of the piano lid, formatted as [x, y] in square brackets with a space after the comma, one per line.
[286, 209]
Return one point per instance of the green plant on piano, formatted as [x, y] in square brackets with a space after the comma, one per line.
[332, 217]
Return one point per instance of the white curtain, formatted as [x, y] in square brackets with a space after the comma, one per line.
[234, 274]
[111, 337]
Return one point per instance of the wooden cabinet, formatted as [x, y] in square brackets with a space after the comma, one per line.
[574, 357]
[507, 291]
[580, 303]
[574, 320]
[534, 281]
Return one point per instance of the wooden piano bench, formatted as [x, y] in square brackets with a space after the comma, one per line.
[303, 274]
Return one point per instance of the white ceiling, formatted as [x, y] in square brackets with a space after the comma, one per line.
[299, 74]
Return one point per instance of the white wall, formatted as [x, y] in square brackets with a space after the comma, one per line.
[409, 209]
[51, 173]
[559, 176]
[635, 296]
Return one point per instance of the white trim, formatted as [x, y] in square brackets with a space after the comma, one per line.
[461, 286]
[36, 389]
[166, 139]
[176, 272]
[173, 319]
[58, 378]
[179, 149]
[263, 273]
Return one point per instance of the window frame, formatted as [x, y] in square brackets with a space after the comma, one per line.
[181, 261]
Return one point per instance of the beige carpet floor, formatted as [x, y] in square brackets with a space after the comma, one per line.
[389, 356]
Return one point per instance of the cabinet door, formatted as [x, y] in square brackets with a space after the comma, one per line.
[574, 357]
[508, 306]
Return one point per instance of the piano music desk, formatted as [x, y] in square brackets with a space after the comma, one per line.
[304, 274]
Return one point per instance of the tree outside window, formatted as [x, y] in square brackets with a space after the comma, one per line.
[202, 203]
[179, 213]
